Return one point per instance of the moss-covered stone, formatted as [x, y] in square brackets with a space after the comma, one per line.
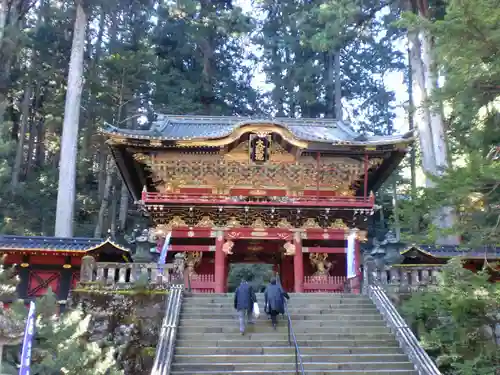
[129, 317]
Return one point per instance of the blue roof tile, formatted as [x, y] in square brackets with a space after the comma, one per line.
[457, 251]
[170, 127]
[49, 243]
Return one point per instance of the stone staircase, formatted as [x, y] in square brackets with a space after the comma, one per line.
[338, 334]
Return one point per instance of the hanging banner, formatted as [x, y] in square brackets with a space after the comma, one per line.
[351, 254]
[164, 250]
[29, 332]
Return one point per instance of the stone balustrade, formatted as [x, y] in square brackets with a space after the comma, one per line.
[405, 279]
[122, 274]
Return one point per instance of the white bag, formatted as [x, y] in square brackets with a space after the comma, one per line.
[256, 311]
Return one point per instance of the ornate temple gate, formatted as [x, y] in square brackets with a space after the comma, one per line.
[302, 268]
[224, 187]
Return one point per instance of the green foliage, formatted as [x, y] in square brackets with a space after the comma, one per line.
[299, 40]
[473, 191]
[66, 335]
[456, 321]
[258, 275]
[465, 35]
[61, 344]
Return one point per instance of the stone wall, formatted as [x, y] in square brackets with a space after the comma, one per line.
[130, 319]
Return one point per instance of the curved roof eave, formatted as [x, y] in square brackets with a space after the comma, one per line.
[186, 129]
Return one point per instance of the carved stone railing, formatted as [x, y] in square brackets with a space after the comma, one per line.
[376, 290]
[123, 274]
[395, 279]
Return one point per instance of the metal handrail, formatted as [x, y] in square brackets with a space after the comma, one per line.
[166, 340]
[407, 340]
[299, 365]
[292, 339]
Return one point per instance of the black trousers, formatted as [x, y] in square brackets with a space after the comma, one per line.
[274, 316]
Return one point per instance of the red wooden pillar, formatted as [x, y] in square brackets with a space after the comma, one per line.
[298, 265]
[220, 265]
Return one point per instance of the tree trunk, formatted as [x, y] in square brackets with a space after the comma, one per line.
[69, 140]
[113, 211]
[338, 87]
[411, 125]
[25, 110]
[330, 84]
[422, 111]
[101, 218]
[3, 19]
[430, 122]
[124, 201]
[101, 175]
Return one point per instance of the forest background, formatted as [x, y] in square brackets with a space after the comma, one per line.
[328, 58]
[183, 57]
[319, 58]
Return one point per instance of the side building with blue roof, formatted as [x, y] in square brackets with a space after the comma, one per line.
[53, 262]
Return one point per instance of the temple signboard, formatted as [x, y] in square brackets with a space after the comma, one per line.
[259, 148]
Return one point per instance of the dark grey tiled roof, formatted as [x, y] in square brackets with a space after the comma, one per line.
[49, 243]
[169, 127]
[454, 251]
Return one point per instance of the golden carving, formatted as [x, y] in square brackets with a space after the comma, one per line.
[289, 248]
[205, 222]
[284, 224]
[192, 260]
[174, 223]
[155, 143]
[260, 150]
[338, 224]
[362, 235]
[239, 153]
[257, 192]
[259, 224]
[280, 155]
[259, 234]
[347, 192]
[224, 174]
[233, 223]
[243, 128]
[140, 157]
[321, 263]
[310, 223]
[228, 247]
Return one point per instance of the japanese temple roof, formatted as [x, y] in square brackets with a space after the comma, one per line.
[179, 128]
[456, 251]
[58, 244]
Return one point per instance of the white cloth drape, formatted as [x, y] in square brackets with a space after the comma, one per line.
[351, 254]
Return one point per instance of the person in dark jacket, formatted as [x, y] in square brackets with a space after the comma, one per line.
[244, 298]
[275, 301]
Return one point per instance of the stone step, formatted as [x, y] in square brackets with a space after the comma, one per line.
[336, 333]
[328, 366]
[288, 356]
[271, 334]
[282, 326]
[295, 323]
[292, 372]
[352, 309]
[294, 316]
[276, 342]
[331, 350]
[294, 300]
